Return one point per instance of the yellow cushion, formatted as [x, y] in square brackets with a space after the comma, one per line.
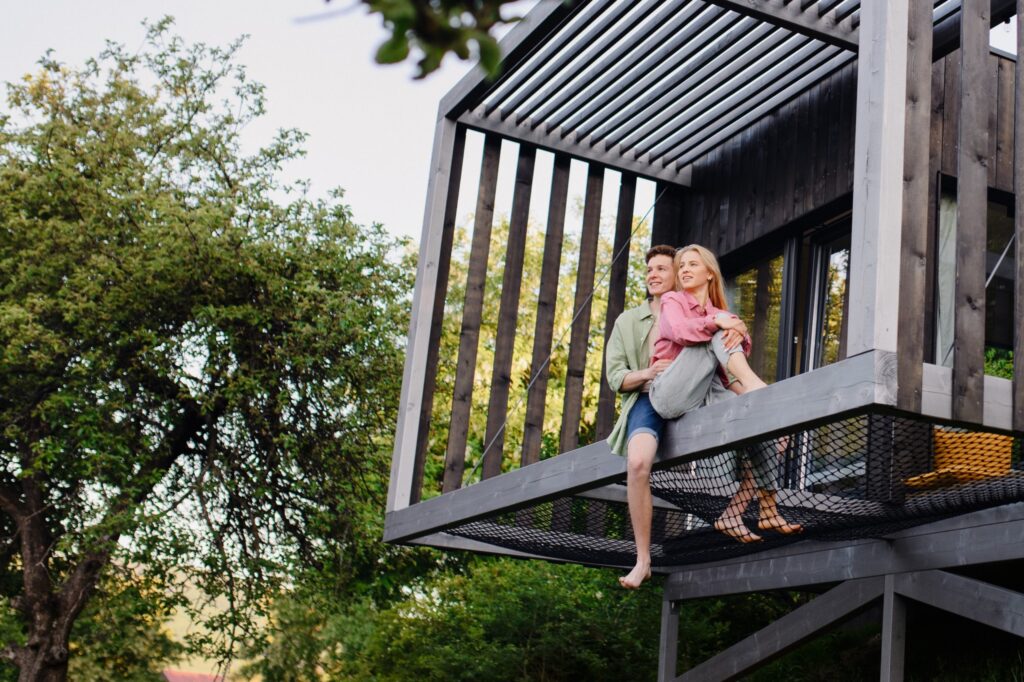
[961, 457]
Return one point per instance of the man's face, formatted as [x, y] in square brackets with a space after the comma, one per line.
[661, 275]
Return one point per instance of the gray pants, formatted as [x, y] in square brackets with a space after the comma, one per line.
[692, 381]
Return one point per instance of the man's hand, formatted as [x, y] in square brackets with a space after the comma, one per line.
[657, 368]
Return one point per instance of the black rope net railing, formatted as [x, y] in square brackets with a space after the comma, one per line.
[862, 476]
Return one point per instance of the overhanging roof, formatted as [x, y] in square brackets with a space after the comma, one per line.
[650, 86]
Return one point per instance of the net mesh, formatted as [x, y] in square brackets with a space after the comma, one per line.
[862, 476]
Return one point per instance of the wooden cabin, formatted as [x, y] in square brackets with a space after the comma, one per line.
[856, 165]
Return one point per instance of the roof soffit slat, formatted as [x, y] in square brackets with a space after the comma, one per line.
[673, 22]
[543, 56]
[727, 57]
[637, 73]
[549, 72]
[804, 20]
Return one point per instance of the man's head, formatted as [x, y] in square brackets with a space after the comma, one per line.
[661, 272]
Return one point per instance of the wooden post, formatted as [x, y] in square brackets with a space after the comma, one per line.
[914, 256]
[972, 214]
[578, 340]
[431, 281]
[668, 211]
[668, 649]
[878, 176]
[508, 314]
[616, 295]
[894, 624]
[1018, 189]
[469, 337]
[533, 428]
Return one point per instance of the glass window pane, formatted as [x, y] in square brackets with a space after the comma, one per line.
[755, 295]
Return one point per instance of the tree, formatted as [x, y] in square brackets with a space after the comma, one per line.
[199, 365]
[437, 27]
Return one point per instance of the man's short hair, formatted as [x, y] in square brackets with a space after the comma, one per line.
[660, 250]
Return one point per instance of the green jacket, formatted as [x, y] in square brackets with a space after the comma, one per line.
[627, 351]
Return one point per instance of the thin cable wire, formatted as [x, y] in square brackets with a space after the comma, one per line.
[558, 344]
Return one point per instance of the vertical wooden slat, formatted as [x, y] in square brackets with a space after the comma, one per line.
[444, 258]
[469, 337]
[508, 314]
[579, 337]
[914, 256]
[950, 141]
[616, 294]
[421, 317]
[972, 206]
[1004, 124]
[934, 165]
[1018, 188]
[533, 429]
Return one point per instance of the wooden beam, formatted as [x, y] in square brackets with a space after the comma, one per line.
[982, 602]
[579, 338]
[788, 632]
[554, 142]
[894, 632]
[540, 370]
[616, 295]
[937, 392]
[947, 27]
[508, 314]
[790, 16]
[986, 536]
[808, 399]
[424, 326]
[472, 310]
[1018, 190]
[515, 48]
[916, 176]
[668, 646]
[972, 214]
[878, 177]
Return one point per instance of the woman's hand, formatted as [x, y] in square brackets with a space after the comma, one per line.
[731, 338]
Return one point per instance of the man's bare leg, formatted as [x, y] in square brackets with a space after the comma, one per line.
[640, 454]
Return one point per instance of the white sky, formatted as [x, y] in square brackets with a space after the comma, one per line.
[370, 127]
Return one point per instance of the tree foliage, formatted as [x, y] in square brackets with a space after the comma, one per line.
[434, 28]
[199, 366]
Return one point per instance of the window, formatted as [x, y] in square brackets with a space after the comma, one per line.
[756, 296]
[1000, 265]
[828, 300]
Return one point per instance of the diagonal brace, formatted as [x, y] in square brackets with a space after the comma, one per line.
[983, 602]
[790, 16]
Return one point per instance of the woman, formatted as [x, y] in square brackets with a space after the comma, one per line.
[696, 331]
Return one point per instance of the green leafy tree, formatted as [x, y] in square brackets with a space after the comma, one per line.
[199, 366]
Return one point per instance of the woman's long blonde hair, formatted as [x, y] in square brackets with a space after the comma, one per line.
[716, 289]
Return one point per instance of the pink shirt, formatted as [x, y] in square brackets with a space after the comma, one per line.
[684, 322]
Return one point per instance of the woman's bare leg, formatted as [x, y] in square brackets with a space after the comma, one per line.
[640, 454]
[731, 520]
[770, 518]
[740, 368]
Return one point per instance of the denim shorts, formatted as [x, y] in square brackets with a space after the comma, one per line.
[643, 419]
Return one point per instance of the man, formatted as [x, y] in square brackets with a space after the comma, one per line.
[639, 427]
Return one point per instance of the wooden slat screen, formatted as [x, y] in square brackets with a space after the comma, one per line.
[1018, 187]
[540, 370]
[465, 369]
[972, 213]
[508, 314]
[437, 315]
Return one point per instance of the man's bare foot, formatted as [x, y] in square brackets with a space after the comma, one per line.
[635, 578]
[779, 525]
[735, 529]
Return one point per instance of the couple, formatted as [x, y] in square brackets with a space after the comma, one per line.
[684, 321]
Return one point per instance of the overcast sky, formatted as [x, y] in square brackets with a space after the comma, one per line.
[370, 127]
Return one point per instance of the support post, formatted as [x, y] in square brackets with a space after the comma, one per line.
[878, 176]
[431, 276]
[1018, 189]
[668, 649]
[894, 631]
[914, 256]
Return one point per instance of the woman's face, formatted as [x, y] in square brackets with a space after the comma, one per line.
[693, 273]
